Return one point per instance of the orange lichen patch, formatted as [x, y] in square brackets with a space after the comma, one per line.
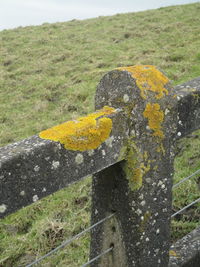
[148, 78]
[155, 118]
[84, 133]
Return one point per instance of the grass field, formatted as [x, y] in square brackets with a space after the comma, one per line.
[48, 74]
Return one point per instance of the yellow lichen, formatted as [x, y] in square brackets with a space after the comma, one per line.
[173, 253]
[160, 149]
[84, 133]
[155, 118]
[148, 78]
[136, 165]
[136, 179]
[144, 222]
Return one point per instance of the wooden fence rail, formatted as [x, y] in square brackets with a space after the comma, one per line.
[128, 147]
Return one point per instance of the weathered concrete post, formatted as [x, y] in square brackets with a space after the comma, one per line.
[137, 189]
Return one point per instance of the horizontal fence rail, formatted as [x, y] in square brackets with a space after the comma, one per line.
[128, 145]
[28, 168]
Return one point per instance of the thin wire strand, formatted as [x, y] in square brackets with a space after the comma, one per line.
[189, 205]
[185, 179]
[97, 257]
[67, 242]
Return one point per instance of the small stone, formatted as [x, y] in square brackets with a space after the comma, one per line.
[36, 168]
[55, 165]
[157, 231]
[126, 98]
[3, 208]
[103, 152]
[90, 152]
[35, 198]
[79, 158]
[22, 193]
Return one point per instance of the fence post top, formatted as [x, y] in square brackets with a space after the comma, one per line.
[144, 91]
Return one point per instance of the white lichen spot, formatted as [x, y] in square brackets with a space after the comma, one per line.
[79, 158]
[142, 218]
[163, 186]
[137, 244]
[166, 111]
[90, 152]
[179, 133]
[156, 214]
[109, 141]
[116, 156]
[154, 221]
[160, 183]
[178, 97]
[44, 189]
[147, 239]
[143, 203]
[55, 165]
[36, 168]
[148, 180]
[22, 193]
[141, 196]
[133, 132]
[125, 98]
[148, 128]
[35, 198]
[157, 231]
[96, 212]
[3, 208]
[180, 122]
[159, 261]
[138, 212]
[156, 250]
[103, 152]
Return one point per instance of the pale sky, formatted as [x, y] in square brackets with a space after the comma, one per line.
[14, 13]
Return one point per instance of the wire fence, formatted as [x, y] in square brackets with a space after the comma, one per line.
[97, 257]
[67, 242]
[186, 178]
[180, 182]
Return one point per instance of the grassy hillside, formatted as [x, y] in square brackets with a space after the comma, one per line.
[48, 74]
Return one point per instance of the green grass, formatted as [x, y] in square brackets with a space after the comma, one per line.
[48, 74]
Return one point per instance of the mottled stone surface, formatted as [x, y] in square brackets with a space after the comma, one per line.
[138, 189]
[132, 168]
[186, 251]
[34, 168]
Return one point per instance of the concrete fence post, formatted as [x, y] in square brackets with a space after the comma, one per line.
[137, 189]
